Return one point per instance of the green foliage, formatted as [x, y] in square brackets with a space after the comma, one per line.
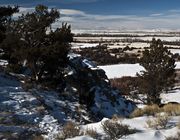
[30, 42]
[5, 15]
[159, 65]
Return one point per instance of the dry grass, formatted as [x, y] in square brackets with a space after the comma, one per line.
[178, 124]
[148, 110]
[170, 109]
[92, 133]
[160, 122]
[116, 117]
[38, 138]
[177, 137]
[70, 130]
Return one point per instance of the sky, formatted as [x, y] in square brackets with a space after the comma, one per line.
[111, 14]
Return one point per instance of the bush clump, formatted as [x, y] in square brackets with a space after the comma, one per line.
[115, 130]
[170, 109]
[148, 110]
[160, 122]
[92, 133]
[177, 137]
[69, 130]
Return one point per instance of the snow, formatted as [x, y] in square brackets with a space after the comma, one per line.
[120, 70]
[3, 62]
[83, 45]
[119, 39]
[105, 107]
[20, 107]
[41, 111]
[81, 138]
[139, 123]
[174, 51]
[88, 63]
[172, 96]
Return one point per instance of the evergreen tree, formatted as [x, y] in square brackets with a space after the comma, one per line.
[5, 16]
[159, 72]
[38, 47]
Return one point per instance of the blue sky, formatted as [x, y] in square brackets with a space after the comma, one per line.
[111, 14]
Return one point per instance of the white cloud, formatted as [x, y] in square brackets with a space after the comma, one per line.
[71, 12]
[78, 1]
[174, 11]
[82, 20]
[157, 14]
[23, 10]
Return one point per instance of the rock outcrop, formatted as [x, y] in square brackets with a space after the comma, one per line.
[94, 89]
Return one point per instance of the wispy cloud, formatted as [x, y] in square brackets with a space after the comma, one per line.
[157, 14]
[82, 20]
[166, 20]
[174, 11]
[71, 1]
[71, 12]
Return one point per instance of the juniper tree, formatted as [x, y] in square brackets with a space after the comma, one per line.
[5, 16]
[159, 72]
[44, 50]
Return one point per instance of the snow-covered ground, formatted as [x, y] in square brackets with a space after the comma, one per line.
[44, 112]
[120, 70]
[34, 111]
[18, 108]
[171, 38]
[139, 123]
[83, 45]
[172, 96]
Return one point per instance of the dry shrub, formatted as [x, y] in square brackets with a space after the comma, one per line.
[178, 124]
[38, 138]
[116, 117]
[27, 85]
[125, 84]
[115, 130]
[70, 130]
[177, 137]
[160, 122]
[92, 133]
[172, 109]
[148, 110]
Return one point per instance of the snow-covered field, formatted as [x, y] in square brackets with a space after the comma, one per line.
[140, 124]
[172, 38]
[120, 70]
[172, 96]
[83, 45]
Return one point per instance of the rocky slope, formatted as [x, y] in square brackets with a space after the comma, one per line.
[87, 97]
